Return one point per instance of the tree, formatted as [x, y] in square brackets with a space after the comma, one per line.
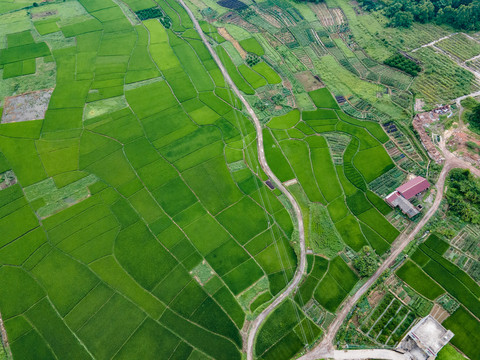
[393, 9]
[425, 11]
[402, 19]
[462, 14]
[366, 262]
[474, 117]
[463, 195]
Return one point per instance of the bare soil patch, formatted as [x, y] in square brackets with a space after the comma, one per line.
[27, 106]
[338, 15]
[458, 143]
[323, 14]
[439, 313]
[44, 14]
[419, 104]
[309, 81]
[222, 31]
[375, 297]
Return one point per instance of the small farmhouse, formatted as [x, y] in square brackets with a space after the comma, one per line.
[405, 192]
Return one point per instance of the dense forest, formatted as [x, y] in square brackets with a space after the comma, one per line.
[463, 195]
[462, 14]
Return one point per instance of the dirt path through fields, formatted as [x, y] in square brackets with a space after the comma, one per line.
[325, 347]
[433, 42]
[222, 31]
[300, 271]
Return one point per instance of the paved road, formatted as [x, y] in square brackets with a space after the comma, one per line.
[383, 354]
[255, 325]
[366, 354]
[474, 94]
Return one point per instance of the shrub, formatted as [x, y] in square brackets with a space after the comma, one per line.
[403, 63]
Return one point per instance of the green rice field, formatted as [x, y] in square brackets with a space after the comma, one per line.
[431, 275]
[121, 237]
[140, 224]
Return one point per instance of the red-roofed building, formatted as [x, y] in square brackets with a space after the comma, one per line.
[392, 197]
[413, 187]
[405, 192]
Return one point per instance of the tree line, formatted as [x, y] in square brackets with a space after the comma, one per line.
[461, 14]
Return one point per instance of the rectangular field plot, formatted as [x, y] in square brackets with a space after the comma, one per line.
[282, 330]
[335, 285]
[467, 332]
[417, 279]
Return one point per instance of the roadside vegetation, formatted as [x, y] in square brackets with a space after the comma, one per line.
[462, 195]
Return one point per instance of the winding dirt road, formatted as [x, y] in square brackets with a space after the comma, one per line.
[255, 325]
[325, 348]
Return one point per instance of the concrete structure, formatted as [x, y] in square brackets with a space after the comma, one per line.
[425, 339]
[405, 192]
[395, 199]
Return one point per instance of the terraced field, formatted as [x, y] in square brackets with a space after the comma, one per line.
[135, 217]
[126, 234]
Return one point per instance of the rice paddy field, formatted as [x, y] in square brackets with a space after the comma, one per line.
[424, 283]
[431, 275]
[136, 217]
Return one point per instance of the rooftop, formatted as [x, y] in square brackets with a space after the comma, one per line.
[430, 335]
[405, 205]
[413, 187]
[391, 197]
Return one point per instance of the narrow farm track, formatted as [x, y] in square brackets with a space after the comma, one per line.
[433, 42]
[255, 325]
